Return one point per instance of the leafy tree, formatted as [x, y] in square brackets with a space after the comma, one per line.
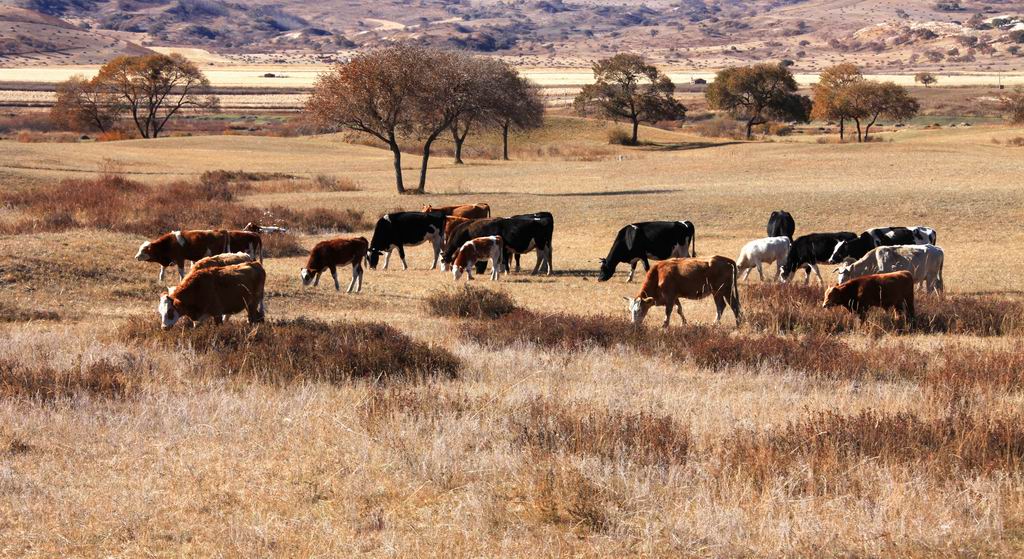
[154, 88]
[758, 94]
[829, 101]
[626, 87]
[1013, 104]
[84, 104]
[872, 100]
[925, 78]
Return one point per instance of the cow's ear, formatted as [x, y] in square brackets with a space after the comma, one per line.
[627, 298]
[630, 237]
[648, 300]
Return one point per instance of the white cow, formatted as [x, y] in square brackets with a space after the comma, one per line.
[763, 251]
[923, 261]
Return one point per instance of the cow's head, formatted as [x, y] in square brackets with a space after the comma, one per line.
[832, 298]
[638, 308]
[308, 276]
[372, 257]
[606, 271]
[457, 272]
[145, 253]
[169, 313]
[789, 266]
[841, 251]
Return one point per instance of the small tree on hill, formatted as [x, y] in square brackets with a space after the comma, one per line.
[154, 88]
[516, 103]
[757, 94]
[872, 100]
[830, 103]
[626, 87]
[925, 78]
[85, 105]
[1013, 105]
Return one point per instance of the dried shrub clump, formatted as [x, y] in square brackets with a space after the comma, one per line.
[281, 246]
[10, 312]
[303, 350]
[562, 330]
[104, 379]
[584, 429]
[968, 314]
[792, 308]
[470, 302]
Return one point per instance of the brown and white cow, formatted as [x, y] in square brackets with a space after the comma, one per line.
[329, 254]
[221, 260]
[472, 211]
[480, 248]
[687, 278]
[177, 247]
[888, 291]
[216, 293]
[246, 241]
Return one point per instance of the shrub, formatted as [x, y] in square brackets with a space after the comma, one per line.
[303, 350]
[719, 128]
[564, 331]
[104, 379]
[9, 312]
[328, 183]
[619, 136]
[470, 302]
[282, 246]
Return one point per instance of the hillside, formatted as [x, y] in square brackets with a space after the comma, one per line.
[32, 38]
[695, 34]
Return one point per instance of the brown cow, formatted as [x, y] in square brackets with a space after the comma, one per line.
[246, 241]
[177, 247]
[450, 223]
[889, 291]
[472, 211]
[221, 260]
[480, 248]
[688, 278]
[329, 254]
[216, 292]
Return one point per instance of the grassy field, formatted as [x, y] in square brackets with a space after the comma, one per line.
[553, 430]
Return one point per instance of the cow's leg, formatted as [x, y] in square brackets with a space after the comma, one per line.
[679, 309]
[355, 276]
[547, 260]
[387, 258]
[647, 265]
[807, 274]
[669, 307]
[469, 271]
[316, 279]
[540, 260]
[437, 251]
[334, 274]
[719, 308]
[218, 319]
[632, 270]
[746, 273]
[181, 270]
[401, 254]
[759, 272]
[818, 272]
[160, 278]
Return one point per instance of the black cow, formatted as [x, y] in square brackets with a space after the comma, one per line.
[657, 240]
[781, 224]
[882, 236]
[401, 229]
[810, 250]
[520, 234]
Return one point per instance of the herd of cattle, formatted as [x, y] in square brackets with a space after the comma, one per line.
[878, 268]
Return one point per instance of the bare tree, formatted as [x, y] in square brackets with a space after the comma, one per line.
[626, 87]
[484, 73]
[85, 105]
[872, 100]
[830, 103]
[757, 94]
[154, 88]
[374, 93]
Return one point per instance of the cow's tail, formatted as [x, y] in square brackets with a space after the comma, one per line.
[693, 240]
[736, 290]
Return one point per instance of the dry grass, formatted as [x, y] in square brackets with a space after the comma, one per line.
[470, 302]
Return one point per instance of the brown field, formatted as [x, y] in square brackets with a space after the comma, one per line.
[555, 429]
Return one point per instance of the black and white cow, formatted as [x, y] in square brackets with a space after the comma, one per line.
[881, 236]
[807, 251]
[781, 224]
[648, 240]
[520, 234]
[402, 229]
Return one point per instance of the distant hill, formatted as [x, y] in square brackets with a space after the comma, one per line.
[31, 38]
[884, 35]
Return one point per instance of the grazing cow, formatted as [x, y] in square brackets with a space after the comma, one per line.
[889, 291]
[781, 224]
[246, 241]
[216, 292]
[520, 234]
[254, 227]
[688, 278]
[924, 262]
[221, 260]
[449, 225]
[763, 251]
[472, 211]
[638, 242]
[177, 247]
[480, 248]
[881, 236]
[402, 229]
[807, 251]
[329, 254]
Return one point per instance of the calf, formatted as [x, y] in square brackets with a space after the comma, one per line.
[881, 236]
[471, 211]
[520, 234]
[809, 250]
[763, 251]
[638, 242]
[481, 248]
[177, 247]
[246, 241]
[221, 260]
[216, 292]
[781, 224]
[924, 262]
[889, 291]
[329, 254]
[688, 278]
[401, 229]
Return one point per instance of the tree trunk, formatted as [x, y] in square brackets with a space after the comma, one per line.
[458, 145]
[842, 129]
[398, 165]
[750, 129]
[504, 140]
[859, 137]
[636, 129]
[422, 188]
[867, 129]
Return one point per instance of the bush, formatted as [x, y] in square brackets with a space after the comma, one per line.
[564, 331]
[619, 136]
[104, 379]
[10, 312]
[470, 302]
[328, 183]
[302, 350]
[282, 246]
[719, 128]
